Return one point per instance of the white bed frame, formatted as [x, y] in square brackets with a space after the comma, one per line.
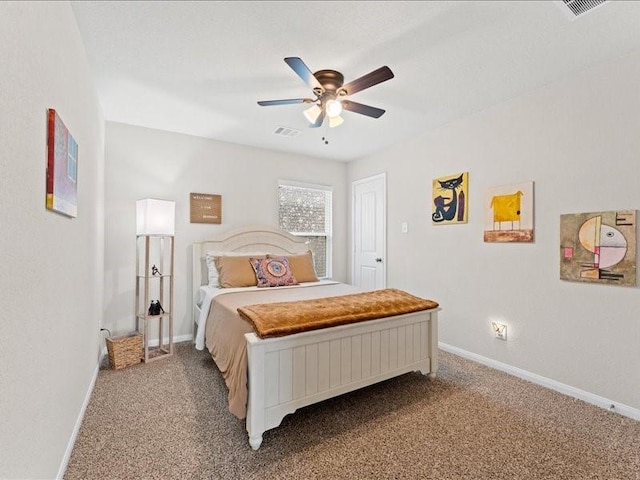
[287, 373]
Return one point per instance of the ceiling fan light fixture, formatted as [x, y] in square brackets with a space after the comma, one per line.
[312, 113]
[334, 108]
[329, 88]
[335, 121]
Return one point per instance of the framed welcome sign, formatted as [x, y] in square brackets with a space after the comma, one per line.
[62, 167]
[206, 208]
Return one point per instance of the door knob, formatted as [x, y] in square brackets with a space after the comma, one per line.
[379, 260]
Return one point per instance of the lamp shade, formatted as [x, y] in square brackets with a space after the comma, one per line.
[312, 113]
[334, 108]
[335, 121]
[155, 217]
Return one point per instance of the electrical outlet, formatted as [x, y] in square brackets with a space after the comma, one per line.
[500, 330]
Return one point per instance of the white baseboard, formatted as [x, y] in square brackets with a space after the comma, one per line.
[588, 397]
[76, 428]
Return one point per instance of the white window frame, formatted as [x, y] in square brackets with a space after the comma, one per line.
[328, 219]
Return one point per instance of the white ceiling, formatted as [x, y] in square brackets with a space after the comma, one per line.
[200, 67]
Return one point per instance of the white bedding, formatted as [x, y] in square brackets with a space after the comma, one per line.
[206, 294]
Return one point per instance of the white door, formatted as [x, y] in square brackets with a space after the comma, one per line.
[369, 232]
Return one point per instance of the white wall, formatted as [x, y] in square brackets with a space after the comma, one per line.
[146, 163]
[578, 140]
[52, 266]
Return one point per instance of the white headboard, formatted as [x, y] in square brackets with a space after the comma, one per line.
[247, 239]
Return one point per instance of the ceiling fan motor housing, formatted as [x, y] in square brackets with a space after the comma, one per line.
[330, 80]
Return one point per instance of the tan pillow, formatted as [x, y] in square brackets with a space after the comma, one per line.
[236, 271]
[301, 266]
[210, 260]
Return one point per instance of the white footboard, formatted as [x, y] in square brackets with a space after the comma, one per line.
[286, 373]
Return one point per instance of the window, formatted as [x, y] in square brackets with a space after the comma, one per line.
[305, 210]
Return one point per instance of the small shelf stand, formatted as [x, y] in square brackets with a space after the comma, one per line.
[155, 284]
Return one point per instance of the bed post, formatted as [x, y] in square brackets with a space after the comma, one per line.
[196, 281]
[255, 405]
[433, 343]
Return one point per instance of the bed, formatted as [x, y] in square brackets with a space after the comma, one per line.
[278, 374]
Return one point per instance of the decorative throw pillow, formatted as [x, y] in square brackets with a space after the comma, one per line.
[212, 270]
[301, 266]
[236, 271]
[273, 272]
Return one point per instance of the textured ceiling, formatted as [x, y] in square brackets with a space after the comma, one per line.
[200, 67]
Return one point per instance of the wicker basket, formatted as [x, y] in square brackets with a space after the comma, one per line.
[125, 350]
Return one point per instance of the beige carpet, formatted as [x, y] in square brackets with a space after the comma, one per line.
[169, 420]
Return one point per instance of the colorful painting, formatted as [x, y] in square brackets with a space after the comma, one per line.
[449, 199]
[508, 213]
[599, 247]
[62, 167]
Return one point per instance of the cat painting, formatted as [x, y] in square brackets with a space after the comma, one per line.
[449, 199]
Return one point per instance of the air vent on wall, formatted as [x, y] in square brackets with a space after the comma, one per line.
[577, 8]
[286, 132]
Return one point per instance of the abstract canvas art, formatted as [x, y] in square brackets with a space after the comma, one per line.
[62, 167]
[508, 213]
[449, 199]
[599, 247]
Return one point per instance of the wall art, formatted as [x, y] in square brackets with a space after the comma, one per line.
[508, 213]
[449, 199]
[206, 208]
[62, 167]
[599, 247]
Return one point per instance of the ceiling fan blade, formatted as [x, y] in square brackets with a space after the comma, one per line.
[367, 110]
[303, 72]
[318, 121]
[289, 101]
[380, 75]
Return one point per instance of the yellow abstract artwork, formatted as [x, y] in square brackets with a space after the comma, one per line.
[508, 213]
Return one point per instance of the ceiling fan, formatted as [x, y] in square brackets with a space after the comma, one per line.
[330, 93]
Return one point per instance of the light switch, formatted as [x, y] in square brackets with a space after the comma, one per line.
[404, 226]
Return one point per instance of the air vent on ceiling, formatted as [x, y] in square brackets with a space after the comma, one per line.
[577, 8]
[286, 132]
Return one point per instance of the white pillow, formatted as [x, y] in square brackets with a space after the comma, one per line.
[210, 259]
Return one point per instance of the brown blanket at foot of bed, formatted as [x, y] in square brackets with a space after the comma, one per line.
[285, 318]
